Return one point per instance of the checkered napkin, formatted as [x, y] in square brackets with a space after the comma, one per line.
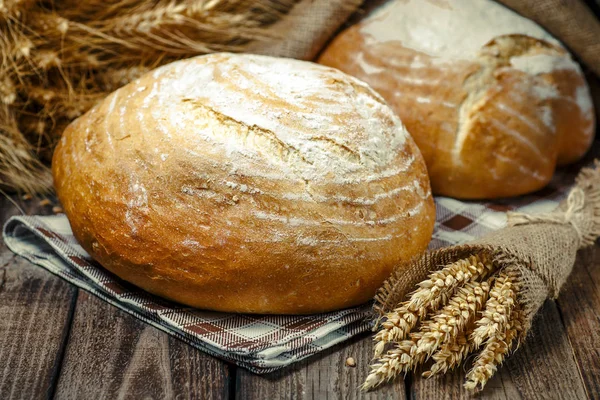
[261, 343]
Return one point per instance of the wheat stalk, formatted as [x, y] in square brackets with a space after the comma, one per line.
[56, 62]
[480, 310]
[451, 354]
[445, 325]
[494, 352]
[431, 294]
[498, 308]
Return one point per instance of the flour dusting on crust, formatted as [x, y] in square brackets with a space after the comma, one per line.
[536, 64]
[325, 123]
[446, 29]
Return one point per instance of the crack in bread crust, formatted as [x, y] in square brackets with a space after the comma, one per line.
[492, 57]
[285, 150]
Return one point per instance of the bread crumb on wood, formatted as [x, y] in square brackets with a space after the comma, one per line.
[57, 210]
[26, 197]
[350, 362]
[44, 202]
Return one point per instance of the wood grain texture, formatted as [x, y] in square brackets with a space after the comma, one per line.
[325, 376]
[579, 303]
[35, 311]
[450, 386]
[113, 355]
[544, 367]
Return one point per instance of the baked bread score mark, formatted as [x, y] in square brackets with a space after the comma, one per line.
[492, 100]
[484, 89]
[246, 183]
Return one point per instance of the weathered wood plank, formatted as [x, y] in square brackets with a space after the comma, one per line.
[325, 376]
[541, 368]
[579, 303]
[544, 367]
[111, 354]
[35, 311]
[450, 386]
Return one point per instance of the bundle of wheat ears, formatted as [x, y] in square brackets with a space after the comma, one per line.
[59, 57]
[486, 294]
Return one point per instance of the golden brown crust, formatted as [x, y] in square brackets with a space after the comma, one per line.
[235, 222]
[485, 128]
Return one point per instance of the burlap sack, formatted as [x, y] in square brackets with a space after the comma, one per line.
[306, 28]
[540, 248]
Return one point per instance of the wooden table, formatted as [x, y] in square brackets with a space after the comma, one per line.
[60, 342]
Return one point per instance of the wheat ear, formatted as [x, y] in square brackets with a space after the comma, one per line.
[495, 351]
[445, 325]
[451, 354]
[390, 365]
[498, 308]
[431, 294]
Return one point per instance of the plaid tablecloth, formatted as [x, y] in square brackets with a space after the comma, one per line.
[261, 343]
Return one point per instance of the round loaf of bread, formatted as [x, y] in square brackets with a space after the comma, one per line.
[246, 183]
[492, 100]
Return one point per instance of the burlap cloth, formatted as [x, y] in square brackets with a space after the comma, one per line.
[304, 31]
[540, 248]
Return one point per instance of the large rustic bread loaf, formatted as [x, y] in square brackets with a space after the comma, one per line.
[492, 100]
[246, 183]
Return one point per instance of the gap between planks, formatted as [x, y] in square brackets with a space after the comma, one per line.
[579, 303]
[36, 309]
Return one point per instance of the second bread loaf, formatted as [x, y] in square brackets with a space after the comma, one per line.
[492, 100]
